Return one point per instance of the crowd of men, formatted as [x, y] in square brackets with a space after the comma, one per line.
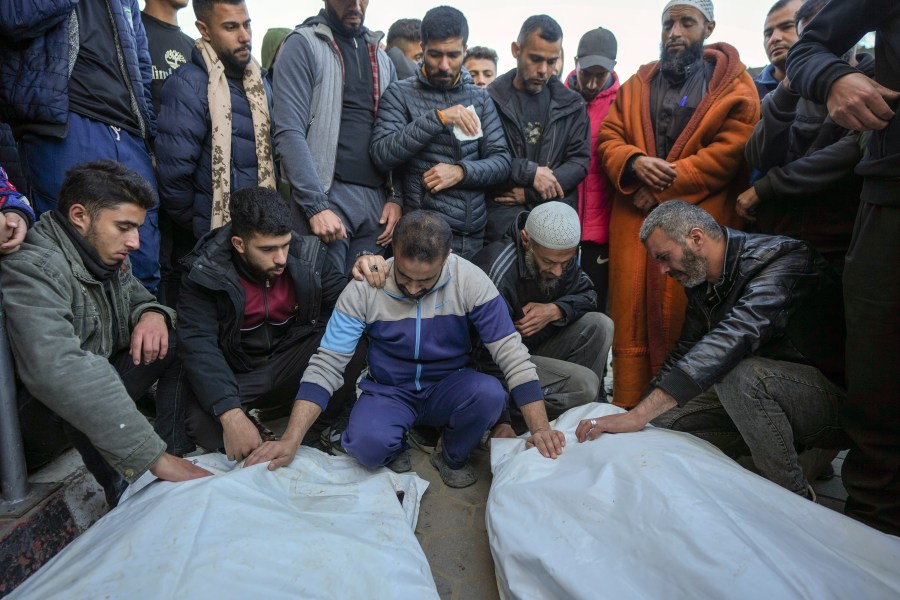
[394, 244]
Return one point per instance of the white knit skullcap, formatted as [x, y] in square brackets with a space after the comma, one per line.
[704, 6]
[554, 225]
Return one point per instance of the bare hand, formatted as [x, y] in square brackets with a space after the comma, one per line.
[512, 197]
[390, 214]
[150, 338]
[461, 117]
[372, 269]
[277, 454]
[537, 316]
[590, 429]
[550, 443]
[654, 172]
[12, 231]
[644, 200]
[442, 176]
[327, 226]
[172, 468]
[859, 103]
[241, 435]
[747, 203]
[546, 185]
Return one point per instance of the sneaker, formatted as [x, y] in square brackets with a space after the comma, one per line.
[455, 478]
[424, 438]
[401, 462]
[331, 439]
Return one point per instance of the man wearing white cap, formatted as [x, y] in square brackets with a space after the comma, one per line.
[553, 306]
[676, 130]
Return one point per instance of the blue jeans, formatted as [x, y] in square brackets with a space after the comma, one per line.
[768, 407]
[46, 159]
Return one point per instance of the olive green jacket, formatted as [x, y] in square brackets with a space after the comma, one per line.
[60, 324]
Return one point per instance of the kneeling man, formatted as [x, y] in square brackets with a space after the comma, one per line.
[252, 310]
[419, 344]
[88, 338]
[553, 305]
[761, 355]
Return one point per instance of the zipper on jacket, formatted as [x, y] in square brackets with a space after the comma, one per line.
[418, 342]
[265, 294]
[135, 107]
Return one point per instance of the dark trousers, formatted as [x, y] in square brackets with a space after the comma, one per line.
[41, 427]
[595, 262]
[46, 159]
[275, 383]
[871, 415]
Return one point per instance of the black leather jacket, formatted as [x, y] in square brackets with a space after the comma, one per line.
[778, 299]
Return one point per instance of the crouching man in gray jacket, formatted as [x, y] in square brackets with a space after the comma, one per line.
[87, 337]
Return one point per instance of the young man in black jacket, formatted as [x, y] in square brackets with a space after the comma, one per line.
[553, 305]
[546, 126]
[871, 284]
[252, 310]
[761, 355]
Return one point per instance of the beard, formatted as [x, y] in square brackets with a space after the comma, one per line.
[446, 81]
[693, 267]
[547, 286]
[674, 64]
[336, 22]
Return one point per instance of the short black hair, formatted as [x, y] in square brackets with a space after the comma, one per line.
[422, 235]
[404, 29]
[482, 53]
[257, 210]
[778, 6]
[545, 26]
[203, 8]
[102, 185]
[444, 22]
[808, 10]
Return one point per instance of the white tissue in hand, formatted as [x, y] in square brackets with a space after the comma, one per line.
[462, 136]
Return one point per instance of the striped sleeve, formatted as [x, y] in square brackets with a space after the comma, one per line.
[347, 324]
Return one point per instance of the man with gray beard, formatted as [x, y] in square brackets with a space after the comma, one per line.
[760, 361]
[553, 305]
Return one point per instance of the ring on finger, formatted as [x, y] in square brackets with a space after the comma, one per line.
[373, 268]
[593, 423]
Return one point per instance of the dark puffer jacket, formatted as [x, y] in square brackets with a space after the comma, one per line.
[211, 310]
[778, 299]
[409, 139]
[37, 46]
[184, 145]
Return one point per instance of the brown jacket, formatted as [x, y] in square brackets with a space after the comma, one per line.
[648, 308]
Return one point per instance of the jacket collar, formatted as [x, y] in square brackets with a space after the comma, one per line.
[50, 229]
[562, 100]
[734, 245]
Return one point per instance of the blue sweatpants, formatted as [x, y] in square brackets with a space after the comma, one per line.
[46, 159]
[466, 404]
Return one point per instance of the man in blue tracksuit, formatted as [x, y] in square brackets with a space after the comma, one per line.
[418, 328]
[75, 87]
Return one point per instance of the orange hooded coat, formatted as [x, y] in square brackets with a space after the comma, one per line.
[646, 306]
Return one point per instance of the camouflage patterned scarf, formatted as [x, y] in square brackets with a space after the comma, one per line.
[220, 117]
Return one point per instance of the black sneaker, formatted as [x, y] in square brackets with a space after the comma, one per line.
[265, 433]
[401, 462]
[455, 478]
[331, 439]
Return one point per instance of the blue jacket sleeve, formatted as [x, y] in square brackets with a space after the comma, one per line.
[12, 199]
[27, 19]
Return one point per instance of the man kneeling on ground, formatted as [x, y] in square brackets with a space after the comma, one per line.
[762, 348]
[419, 344]
[87, 337]
[553, 306]
[252, 311]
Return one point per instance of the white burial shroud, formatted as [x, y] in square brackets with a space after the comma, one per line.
[662, 514]
[323, 527]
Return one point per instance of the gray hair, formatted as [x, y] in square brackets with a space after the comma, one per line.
[676, 219]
